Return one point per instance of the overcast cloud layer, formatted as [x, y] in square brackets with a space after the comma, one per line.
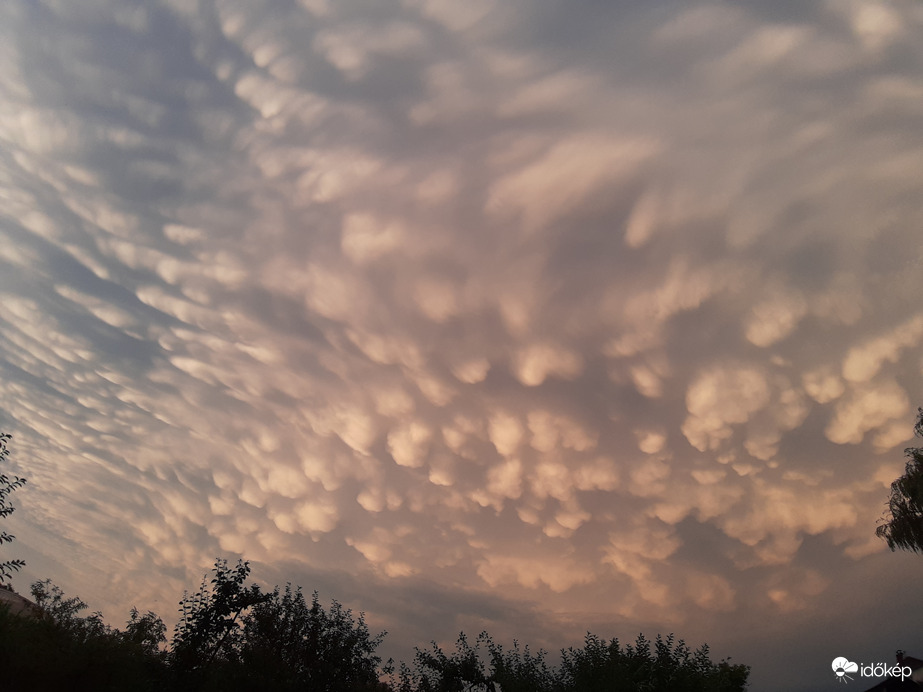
[539, 317]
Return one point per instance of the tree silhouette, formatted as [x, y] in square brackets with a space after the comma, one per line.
[288, 644]
[904, 529]
[52, 647]
[600, 666]
[436, 671]
[7, 485]
[605, 666]
[233, 638]
[208, 628]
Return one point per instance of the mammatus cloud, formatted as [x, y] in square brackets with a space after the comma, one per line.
[603, 301]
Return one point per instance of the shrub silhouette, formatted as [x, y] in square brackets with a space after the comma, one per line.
[671, 666]
[598, 666]
[298, 646]
[208, 631]
[55, 649]
[231, 636]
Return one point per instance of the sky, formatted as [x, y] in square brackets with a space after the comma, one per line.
[533, 317]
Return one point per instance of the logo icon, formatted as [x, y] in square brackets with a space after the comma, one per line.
[842, 666]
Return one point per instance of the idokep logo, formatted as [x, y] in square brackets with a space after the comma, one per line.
[843, 666]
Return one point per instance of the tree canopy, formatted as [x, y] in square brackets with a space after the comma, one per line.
[232, 636]
[599, 665]
[7, 485]
[904, 528]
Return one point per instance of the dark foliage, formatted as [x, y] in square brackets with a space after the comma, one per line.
[435, 671]
[904, 528]
[297, 646]
[208, 632]
[56, 649]
[670, 666]
[231, 637]
[519, 670]
[234, 637]
[598, 666]
[7, 485]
